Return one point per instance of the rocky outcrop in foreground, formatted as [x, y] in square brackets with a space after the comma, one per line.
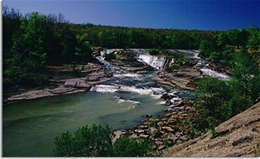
[239, 137]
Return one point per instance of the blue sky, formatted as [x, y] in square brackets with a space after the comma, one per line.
[170, 14]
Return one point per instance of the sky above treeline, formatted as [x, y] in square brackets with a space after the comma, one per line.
[166, 14]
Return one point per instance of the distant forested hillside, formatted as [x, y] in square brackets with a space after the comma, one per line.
[34, 40]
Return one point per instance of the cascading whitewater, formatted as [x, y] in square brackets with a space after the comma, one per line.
[130, 82]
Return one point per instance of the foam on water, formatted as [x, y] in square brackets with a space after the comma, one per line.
[104, 88]
[154, 61]
[209, 72]
[131, 75]
[128, 101]
[154, 92]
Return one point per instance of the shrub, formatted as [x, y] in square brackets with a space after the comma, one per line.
[153, 51]
[110, 56]
[85, 142]
[128, 147]
[97, 142]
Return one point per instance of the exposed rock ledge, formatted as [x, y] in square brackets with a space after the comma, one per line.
[48, 92]
[182, 78]
[239, 136]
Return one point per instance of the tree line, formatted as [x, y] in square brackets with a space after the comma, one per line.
[34, 40]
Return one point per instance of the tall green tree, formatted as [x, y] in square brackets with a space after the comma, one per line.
[83, 49]
[245, 73]
[254, 39]
[30, 41]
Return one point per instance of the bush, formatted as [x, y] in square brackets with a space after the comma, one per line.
[86, 142]
[128, 147]
[153, 51]
[110, 56]
[97, 142]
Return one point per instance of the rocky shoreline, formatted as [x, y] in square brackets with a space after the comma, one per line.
[167, 129]
[94, 74]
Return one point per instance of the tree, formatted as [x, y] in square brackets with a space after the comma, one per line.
[254, 39]
[86, 142]
[212, 96]
[245, 73]
[128, 147]
[206, 47]
[97, 142]
[28, 53]
[29, 41]
[83, 49]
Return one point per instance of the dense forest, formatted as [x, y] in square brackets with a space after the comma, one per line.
[34, 40]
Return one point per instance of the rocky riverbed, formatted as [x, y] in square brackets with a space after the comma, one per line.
[170, 128]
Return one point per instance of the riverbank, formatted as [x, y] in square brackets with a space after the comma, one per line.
[169, 128]
[93, 73]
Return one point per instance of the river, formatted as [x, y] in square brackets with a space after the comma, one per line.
[29, 127]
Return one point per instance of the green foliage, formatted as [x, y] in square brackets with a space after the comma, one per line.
[153, 123]
[29, 41]
[153, 51]
[83, 49]
[214, 134]
[215, 55]
[171, 68]
[217, 101]
[35, 40]
[128, 147]
[179, 60]
[110, 56]
[206, 47]
[97, 142]
[254, 39]
[213, 93]
[86, 142]
[245, 72]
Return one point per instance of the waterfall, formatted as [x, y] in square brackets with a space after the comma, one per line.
[126, 82]
[156, 62]
[202, 64]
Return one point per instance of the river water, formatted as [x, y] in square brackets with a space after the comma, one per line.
[29, 127]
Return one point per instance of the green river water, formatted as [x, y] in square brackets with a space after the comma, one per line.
[29, 127]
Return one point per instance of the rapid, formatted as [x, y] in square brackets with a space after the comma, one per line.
[29, 127]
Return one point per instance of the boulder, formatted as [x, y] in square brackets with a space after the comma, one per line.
[93, 78]
[168, 115]
[160, 124]
[147, 115]
[158, 142]
[134, 136]
[143, 126]
[161, 147]
[165, 96]
[117, 135]
[143, 136]
[139, 131]
[169, 129]
[168, 102]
